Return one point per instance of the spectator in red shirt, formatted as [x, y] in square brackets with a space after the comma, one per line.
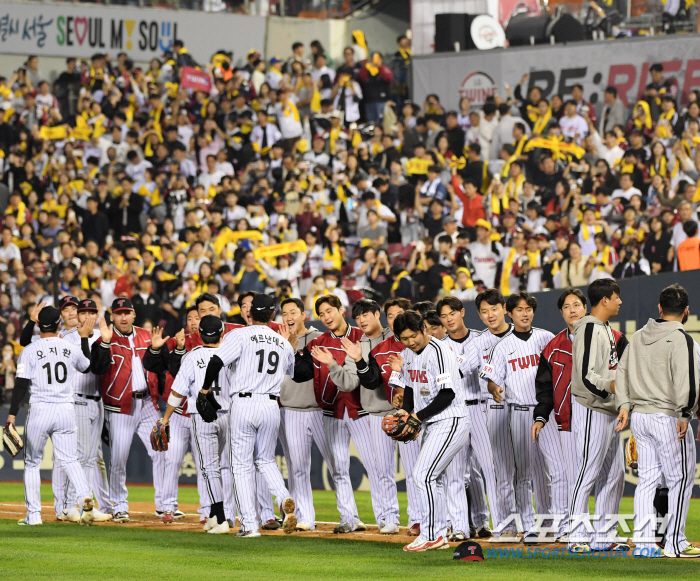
[472, 200]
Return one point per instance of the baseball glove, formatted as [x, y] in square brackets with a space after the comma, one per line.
[631, 453]
[207, 406]
[160, 436]
[394, 424]
[11, 440]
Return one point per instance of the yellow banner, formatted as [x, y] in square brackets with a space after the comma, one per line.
[280, 249]
[555, 145]
[53, 132]
[234, 236]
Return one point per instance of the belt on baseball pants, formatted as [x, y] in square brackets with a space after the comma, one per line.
[272, 397]
[520, 408]
[473, 401]
[91, 397]
[139, 394]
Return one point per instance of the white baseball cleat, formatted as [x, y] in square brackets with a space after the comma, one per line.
[219, 529]
[211, 523]
[247, 534]
[290, 520]
[360, 526]
[303, 526]
[69, 515]
[389, 529]
[99, 516]
[420, 544]
[86, 516]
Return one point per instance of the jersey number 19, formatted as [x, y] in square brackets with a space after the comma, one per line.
[273, 360]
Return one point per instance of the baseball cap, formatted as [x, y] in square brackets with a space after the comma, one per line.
[210, 327]
[263, 302]
[87, 305]
[448, 219]
[49, 318]
[122, 305]
[468, 551]
[483, 223]
[275, 59]
[66, 301]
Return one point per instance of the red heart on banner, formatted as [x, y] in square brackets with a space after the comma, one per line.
[81, 37]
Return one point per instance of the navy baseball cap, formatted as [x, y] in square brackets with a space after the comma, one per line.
[66, 301]
[87, 305]
[49, 318]
[468, 551]
[122, 304]
[263, 302]
[211, 327]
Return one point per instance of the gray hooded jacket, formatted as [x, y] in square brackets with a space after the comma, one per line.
[658, 372]
[300, 397]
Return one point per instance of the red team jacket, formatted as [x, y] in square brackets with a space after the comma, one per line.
[381, 353]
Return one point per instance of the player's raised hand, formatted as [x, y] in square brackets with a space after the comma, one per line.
[535, 430]
[622, 419]
[86, 328]
[180, 336]
[496, 391]
[395, 362]
[36, 309]
[323, 355]
[106, 331]
[157, 339]
[285, 331]
[354, 350]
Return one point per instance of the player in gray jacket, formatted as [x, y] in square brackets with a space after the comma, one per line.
[596, 352]
[657, 389]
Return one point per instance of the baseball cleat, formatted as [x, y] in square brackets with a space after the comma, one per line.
[290, 520]
[690, 552]
[178, 514]
[484, 532]
[121, 517]
[531, 538]
[210, 523]
[507, 536]
[303, 526]
[247, 534]
[472, 533]
[389, 529]
[414, 531]
[580, 548]
[86, 516]
[456, 537]
[617, 547]
[220, 529]
[23, 523]
[563, 538]
[360, 526]
[421, 544]
[343, 527]
[100, 516]
[271, 525]
[69, 515]
[231, 523]
[168, 517]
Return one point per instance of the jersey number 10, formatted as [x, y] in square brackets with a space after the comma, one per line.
[60, 372]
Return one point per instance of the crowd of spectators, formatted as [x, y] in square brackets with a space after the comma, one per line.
[301, 177]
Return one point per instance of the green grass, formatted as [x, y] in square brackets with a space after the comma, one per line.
[59, 551]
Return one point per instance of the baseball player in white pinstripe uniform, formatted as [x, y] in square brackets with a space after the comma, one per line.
[303, 421]
[434, 395]
[49, 366]
[656, 388]
[210, 438]
[89, 417]
[451, 312]
[511, 371]
[262, 358]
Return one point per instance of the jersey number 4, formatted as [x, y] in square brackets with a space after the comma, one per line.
[273, 360]
[60, 372]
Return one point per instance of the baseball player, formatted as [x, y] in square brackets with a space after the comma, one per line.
[596, 352]
[374, 373]
[210, 438]
[130, 395]
[490, 305]
[343, 417]
[451, 313]
[656, 389]
[48, 367]
[385, 501]
[510, 372]
[303, 420]
[89, 417]
[434, 396]
[262, 359]
[553, 393]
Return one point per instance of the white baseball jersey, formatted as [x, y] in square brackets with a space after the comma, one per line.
[513, 363]
[469, 362]
[190, 378]
[482, 344]
[429, 371]
[486, 261]
[51, 364]
[85, 383]
[263, 358]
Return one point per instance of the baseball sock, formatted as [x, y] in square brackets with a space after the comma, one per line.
[217, 510]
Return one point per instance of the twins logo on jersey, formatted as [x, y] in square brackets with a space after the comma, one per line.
[525, 362]
[418, 376]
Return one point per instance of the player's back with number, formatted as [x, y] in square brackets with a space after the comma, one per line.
[51, 364]
[262, 357]
[190, 378]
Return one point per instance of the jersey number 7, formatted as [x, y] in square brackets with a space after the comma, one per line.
[273, 360]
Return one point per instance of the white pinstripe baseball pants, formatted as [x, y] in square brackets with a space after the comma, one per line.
[661, 455]
[180, 439]
[255, 424]
[441, 442]
[549, 444]
[301, 429]
[57, 421]
[265, 506]
[408, 454]
[122, 428]
[338, 434]
[476, 494]
[601, 470]
[571, 460]
[89, 416]
[385, 460]
[455, 491]
[497, 423]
